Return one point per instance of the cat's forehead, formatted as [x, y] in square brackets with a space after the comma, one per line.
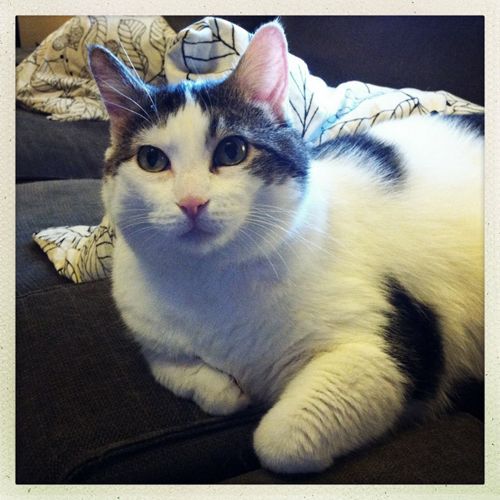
[186, 129]
[193, 112]
[222, 102]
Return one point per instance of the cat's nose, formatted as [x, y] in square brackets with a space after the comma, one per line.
[192, 206]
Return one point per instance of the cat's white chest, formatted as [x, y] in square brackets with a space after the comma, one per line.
[236, 324]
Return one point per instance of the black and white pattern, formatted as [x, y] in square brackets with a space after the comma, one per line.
[55, 78]
[80, 253]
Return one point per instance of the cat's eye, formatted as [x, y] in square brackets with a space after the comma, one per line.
[152, 159]
[230, 151]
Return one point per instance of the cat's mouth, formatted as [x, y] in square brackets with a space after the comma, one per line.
[196, 235]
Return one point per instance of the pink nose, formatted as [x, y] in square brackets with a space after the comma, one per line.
[192, 206]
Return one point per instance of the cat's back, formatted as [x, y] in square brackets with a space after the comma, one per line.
[424, 170]
[406, 201]
[444, 149]
[399, 154]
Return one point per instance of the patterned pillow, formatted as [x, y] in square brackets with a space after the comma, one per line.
[55, 78]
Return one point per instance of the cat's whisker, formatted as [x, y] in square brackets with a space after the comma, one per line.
[136, 230]
[275, 208]
[130, 221]
[140, 81]
[133, 228]
[279, 238]
[305, 218]
[136, 218]
[271, 223]
[128, 109]
[244, 233]
[131, 213]
[147, 235]
[306, 224]
[275, 250]
[271, 212]
[126, 96]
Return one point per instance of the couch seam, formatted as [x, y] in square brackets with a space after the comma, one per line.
[136, 445]
[53, 288]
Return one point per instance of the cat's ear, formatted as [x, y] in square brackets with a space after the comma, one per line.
[262, 72]
[121, 91]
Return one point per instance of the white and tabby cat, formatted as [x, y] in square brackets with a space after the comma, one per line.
[340, 285]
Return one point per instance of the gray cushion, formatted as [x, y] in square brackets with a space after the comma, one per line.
[40, 205]
[47, 149]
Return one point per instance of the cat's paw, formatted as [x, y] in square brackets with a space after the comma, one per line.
[213, 391]
[220, 394]
[286, 444]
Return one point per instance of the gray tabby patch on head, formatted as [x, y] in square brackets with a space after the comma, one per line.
[250, 103]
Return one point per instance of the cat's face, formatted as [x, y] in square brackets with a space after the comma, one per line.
[204, 167]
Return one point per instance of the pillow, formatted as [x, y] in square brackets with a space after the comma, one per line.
[55, 79]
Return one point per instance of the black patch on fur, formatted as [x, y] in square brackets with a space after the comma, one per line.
[167, 99]
[414, 340]
[474, 122]
[380, 157]
[279, 151]
[214, 123]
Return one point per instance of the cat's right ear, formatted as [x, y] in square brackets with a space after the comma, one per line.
[262, 72]
[121, 91]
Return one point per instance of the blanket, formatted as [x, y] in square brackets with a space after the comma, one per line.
[55, 79]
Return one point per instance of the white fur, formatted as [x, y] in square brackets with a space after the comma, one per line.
[291, 315]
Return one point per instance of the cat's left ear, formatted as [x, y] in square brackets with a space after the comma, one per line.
[262, 72]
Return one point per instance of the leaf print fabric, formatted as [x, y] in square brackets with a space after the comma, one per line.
[55, 78]
[80, 253]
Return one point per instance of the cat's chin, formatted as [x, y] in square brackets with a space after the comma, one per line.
[197, 236]
[223, 247]
[198, 241]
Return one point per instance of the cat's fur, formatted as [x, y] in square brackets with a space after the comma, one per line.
[339, 284]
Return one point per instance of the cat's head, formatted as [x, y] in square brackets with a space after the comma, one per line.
[204, 167]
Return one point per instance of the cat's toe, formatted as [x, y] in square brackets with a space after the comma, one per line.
[286, 446]
[224, 399]
[223, 403]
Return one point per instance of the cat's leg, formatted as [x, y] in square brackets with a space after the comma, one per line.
[215, 392]
[335, 404]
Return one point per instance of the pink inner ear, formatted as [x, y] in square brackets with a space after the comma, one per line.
[118, 88]
[263, 70]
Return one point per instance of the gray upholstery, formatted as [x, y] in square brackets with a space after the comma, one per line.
[447, 451]
[40, 205]
[47, 149]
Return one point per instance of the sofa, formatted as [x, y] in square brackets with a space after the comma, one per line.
[87, 408]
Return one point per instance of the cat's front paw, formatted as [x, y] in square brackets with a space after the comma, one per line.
[213, 391]
[220, 395]
[288, 445]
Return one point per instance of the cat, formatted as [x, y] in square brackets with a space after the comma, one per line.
[339, 285]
